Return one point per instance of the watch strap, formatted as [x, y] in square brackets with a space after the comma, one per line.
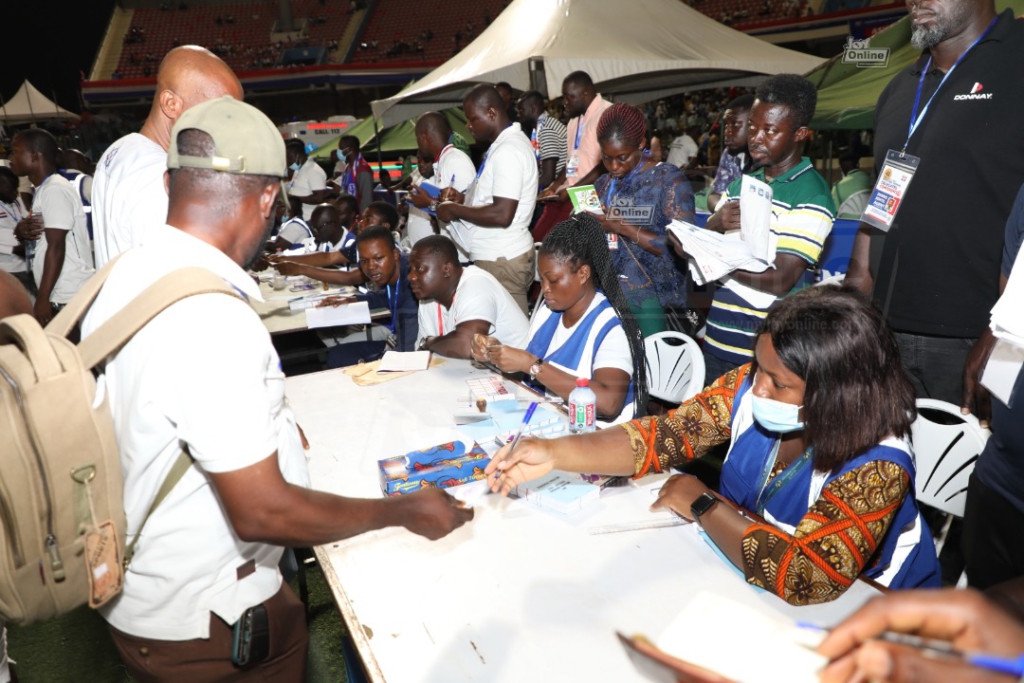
[704, 502]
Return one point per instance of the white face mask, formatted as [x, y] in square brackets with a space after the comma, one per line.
[776, 416]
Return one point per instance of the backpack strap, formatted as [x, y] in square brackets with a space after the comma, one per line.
[123, 325]
[68, 317]
[178, 470]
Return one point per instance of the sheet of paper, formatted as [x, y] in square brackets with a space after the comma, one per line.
[1008, 314]
[712, 629]
[1001, 371]
[346, 314]
[714, 255]
[407, 361]
[756, 218]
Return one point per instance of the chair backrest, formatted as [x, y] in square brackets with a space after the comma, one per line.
[946, 446]
[675, 366]
[536, 261]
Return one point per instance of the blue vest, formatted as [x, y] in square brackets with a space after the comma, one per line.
[570, 353]
[742, 475]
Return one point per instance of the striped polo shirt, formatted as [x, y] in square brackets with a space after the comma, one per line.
[802, 216]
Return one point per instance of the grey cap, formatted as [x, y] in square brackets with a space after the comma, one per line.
[245, 141]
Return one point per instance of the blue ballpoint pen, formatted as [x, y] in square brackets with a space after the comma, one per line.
[522, 425]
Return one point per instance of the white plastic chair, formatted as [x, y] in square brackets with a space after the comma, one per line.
[536, 261]
[675, 366]
[945, 456]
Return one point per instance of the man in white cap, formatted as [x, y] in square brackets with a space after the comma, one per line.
[203, 376]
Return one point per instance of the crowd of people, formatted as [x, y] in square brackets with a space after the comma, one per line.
[811, 392]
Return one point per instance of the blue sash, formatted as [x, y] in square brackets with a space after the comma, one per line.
[570, 353]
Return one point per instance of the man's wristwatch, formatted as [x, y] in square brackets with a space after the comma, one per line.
[535, 368]
[434, 204]
[704, 502]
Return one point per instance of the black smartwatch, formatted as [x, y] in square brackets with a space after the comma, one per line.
[705, 502]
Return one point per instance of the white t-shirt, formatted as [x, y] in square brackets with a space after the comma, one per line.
[478, 297]
[128, 195]
[509, 170]
[10, 215]
[58, 202]
[612, 353]
[682, 149]
[203, 373]
[454, 168]
[308, 179]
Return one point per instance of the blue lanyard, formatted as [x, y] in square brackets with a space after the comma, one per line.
[393, 304]
[915, 119]
[767, 493]
[483, 162]
[579, 132]
[611, 185]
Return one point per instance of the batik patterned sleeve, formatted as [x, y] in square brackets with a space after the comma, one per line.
[687, 432]
[834, 542]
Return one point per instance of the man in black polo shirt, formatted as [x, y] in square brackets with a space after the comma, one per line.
[939, 273]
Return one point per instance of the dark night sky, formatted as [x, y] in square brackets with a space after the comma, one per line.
[49, 42]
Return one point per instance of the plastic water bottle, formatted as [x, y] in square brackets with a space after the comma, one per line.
[582, 408]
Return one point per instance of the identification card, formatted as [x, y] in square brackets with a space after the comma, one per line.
[613, 241]
[103, 562]
[572, 167]
[890, 188]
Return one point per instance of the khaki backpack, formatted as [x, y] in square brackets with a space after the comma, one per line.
[60, 477]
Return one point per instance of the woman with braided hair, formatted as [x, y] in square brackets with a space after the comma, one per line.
[641, 196]
[582, 328]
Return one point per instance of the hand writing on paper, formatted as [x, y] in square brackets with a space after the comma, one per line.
[530, 460]
[335, 301]
[432, 513]
[450, 194]
[679, 493]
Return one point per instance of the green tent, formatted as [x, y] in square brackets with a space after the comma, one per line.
[848, 92]
[399, 138]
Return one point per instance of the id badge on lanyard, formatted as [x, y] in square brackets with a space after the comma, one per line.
[890, 188]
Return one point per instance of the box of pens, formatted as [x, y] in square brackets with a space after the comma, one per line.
[443, 466]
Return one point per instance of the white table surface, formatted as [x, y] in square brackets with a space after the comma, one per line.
[517, 594]
[279, 319]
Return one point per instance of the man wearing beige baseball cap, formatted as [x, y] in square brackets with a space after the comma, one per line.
[204, 375]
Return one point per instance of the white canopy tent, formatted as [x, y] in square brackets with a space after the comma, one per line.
[636, 51]
[29, 105]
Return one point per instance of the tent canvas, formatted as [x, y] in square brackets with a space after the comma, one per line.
[848, 93]
[398, 138]
[664, 47]
[29, 105]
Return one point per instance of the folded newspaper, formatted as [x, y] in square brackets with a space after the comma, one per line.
[715, 255]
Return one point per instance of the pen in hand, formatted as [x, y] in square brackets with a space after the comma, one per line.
[519, 433]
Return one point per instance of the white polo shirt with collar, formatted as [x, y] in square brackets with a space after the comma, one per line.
[203, 373]
[308, 179]
[508, 170]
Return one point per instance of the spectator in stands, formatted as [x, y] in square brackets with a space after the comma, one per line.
[640, 198]
[452, 168]
[128, 188]
[457, 303]
[496, 212]
[307, 182]
[801, 219]
[354, 177]
[939, 271]
[584, 106]
[547, 135]
[735, 159]
[12, 212]
[63, 257]
[851, 193]
[212, 547]
[508, 97]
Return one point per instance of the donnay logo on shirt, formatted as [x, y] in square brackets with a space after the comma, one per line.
[977, 93]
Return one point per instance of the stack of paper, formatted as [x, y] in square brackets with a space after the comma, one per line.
[1007, 324]
[331, 316]
[408, 361]
[716, 255]
[560, 492]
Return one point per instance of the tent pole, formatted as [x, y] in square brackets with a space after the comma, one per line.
[376, 136]
[829, 162]
[28, 98]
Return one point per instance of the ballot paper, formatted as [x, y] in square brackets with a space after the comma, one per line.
[756, 219]
[404, 361]
[775, 649]
[1007, 324]
[1002, 369]
[714, 255]
[331, 316]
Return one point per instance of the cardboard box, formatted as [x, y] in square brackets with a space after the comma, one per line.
[442, 466]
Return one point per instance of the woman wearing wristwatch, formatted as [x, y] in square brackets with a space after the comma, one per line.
[819, 433]
[582, 328]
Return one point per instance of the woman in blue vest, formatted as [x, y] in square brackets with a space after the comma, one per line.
[582, 328]
[819, 434]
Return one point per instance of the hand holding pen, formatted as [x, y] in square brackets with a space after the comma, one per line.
[935, 635]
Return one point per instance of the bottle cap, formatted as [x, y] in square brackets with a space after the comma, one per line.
[582, 382]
